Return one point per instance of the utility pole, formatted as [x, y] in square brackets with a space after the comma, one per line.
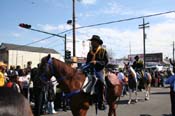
[65, 47]
[143, 26]
[73, 26]
[130, 51]
[173, 51]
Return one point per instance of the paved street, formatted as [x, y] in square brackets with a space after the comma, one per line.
[158, 105]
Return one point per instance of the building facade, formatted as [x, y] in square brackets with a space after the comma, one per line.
[151, 57]
[18, 55]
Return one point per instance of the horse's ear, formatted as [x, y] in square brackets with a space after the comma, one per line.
[48, 57]
[128, 64]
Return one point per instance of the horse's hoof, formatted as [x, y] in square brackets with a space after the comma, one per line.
[129, 102]
[146, 99]
[136, 100]
[101, 106]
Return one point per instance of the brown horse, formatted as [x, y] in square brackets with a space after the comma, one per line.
[71, 82]
[114, 90]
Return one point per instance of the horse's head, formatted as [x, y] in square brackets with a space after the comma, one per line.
[45, 68]
[126, 66]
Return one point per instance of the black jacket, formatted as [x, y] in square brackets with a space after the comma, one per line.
[101, 59]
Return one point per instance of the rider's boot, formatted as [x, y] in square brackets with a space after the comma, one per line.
[101, 104]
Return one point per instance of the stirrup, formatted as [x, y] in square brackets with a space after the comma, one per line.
[93, 86]
[89, 85]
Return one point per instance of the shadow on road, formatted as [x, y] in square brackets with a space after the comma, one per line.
[145, 115]
[122, 102]
[160, 93]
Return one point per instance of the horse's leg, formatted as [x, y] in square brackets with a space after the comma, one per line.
[83, 112]
[136, 98]
[148, 88]
[79, 112]
[110, 110]
[115, 106]
[147, 95]
[136, 95]
[149, 85]
[84, 109]
[112, 107]
[130, 96]
[146, 92]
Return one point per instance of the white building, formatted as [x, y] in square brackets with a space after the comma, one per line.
[16, 55]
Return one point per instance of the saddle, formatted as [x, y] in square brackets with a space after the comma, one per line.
[89, 84]
[114, 84]
[90, 81]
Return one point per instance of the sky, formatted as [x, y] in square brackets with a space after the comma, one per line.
[120, 38]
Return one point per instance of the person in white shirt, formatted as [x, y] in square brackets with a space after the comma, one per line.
[122, 79]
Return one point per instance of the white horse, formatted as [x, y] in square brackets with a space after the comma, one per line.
[132, 82]
[146, 80]
[134, 79]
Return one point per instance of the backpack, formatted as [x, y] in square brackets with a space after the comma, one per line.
[11, 85]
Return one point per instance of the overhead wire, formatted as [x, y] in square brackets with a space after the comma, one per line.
[105, 23]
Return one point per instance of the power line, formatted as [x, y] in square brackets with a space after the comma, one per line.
[105, 23]
[128, 19]
[38, 41]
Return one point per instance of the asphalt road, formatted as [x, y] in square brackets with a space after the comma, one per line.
[158, 105]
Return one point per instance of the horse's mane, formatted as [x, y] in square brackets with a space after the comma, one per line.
[65, 69]
[72, 77]
[69, 78]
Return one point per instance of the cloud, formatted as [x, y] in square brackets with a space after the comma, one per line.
[123, 42]
[112, 8]
[86, 2]
[51, 28]
[16, 34]
[170, 16]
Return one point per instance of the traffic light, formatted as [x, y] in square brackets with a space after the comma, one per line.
[25, 25]
[67, 54]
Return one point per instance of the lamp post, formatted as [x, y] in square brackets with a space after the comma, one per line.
[73, 26]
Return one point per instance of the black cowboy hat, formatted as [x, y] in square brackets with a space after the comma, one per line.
[136, 57]
[96, 38]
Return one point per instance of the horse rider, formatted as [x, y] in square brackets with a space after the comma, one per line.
[97, 57]
[138, 64]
